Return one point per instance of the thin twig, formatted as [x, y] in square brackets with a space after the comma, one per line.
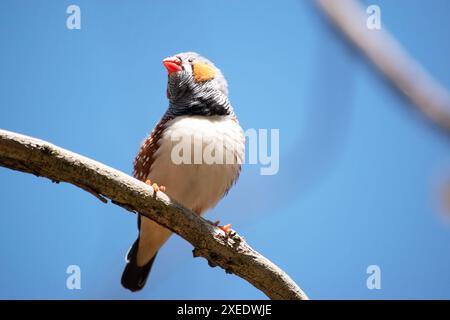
[430, 98]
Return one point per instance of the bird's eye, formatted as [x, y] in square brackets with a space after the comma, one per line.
[190, 60]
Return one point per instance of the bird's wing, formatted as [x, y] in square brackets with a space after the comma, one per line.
[144, 159]
[134, 275]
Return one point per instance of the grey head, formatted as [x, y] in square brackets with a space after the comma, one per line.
[196, 86]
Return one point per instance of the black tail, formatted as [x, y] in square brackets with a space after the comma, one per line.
[134, 277]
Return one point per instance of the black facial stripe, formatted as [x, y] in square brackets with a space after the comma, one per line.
[188, 97]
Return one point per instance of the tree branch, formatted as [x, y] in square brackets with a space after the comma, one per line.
[431, 99]
[30, 155]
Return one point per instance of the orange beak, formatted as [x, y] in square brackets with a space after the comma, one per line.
[172, 65]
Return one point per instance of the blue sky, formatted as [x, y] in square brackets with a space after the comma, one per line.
[360, 174]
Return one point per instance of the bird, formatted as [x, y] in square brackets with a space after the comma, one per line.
[193, 154]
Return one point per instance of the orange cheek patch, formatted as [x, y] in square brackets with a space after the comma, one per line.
[203, 72]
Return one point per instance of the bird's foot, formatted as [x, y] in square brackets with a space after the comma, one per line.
[226, 228]
[155, 186]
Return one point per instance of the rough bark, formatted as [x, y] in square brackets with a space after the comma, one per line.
[232, 253]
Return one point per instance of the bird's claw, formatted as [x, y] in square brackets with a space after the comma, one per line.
[155, 186]
[226, 228]
[229, 233]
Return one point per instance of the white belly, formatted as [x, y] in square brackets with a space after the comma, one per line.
[200, 183]
[197, 186]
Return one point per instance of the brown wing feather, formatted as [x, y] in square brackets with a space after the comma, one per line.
[144, 159]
